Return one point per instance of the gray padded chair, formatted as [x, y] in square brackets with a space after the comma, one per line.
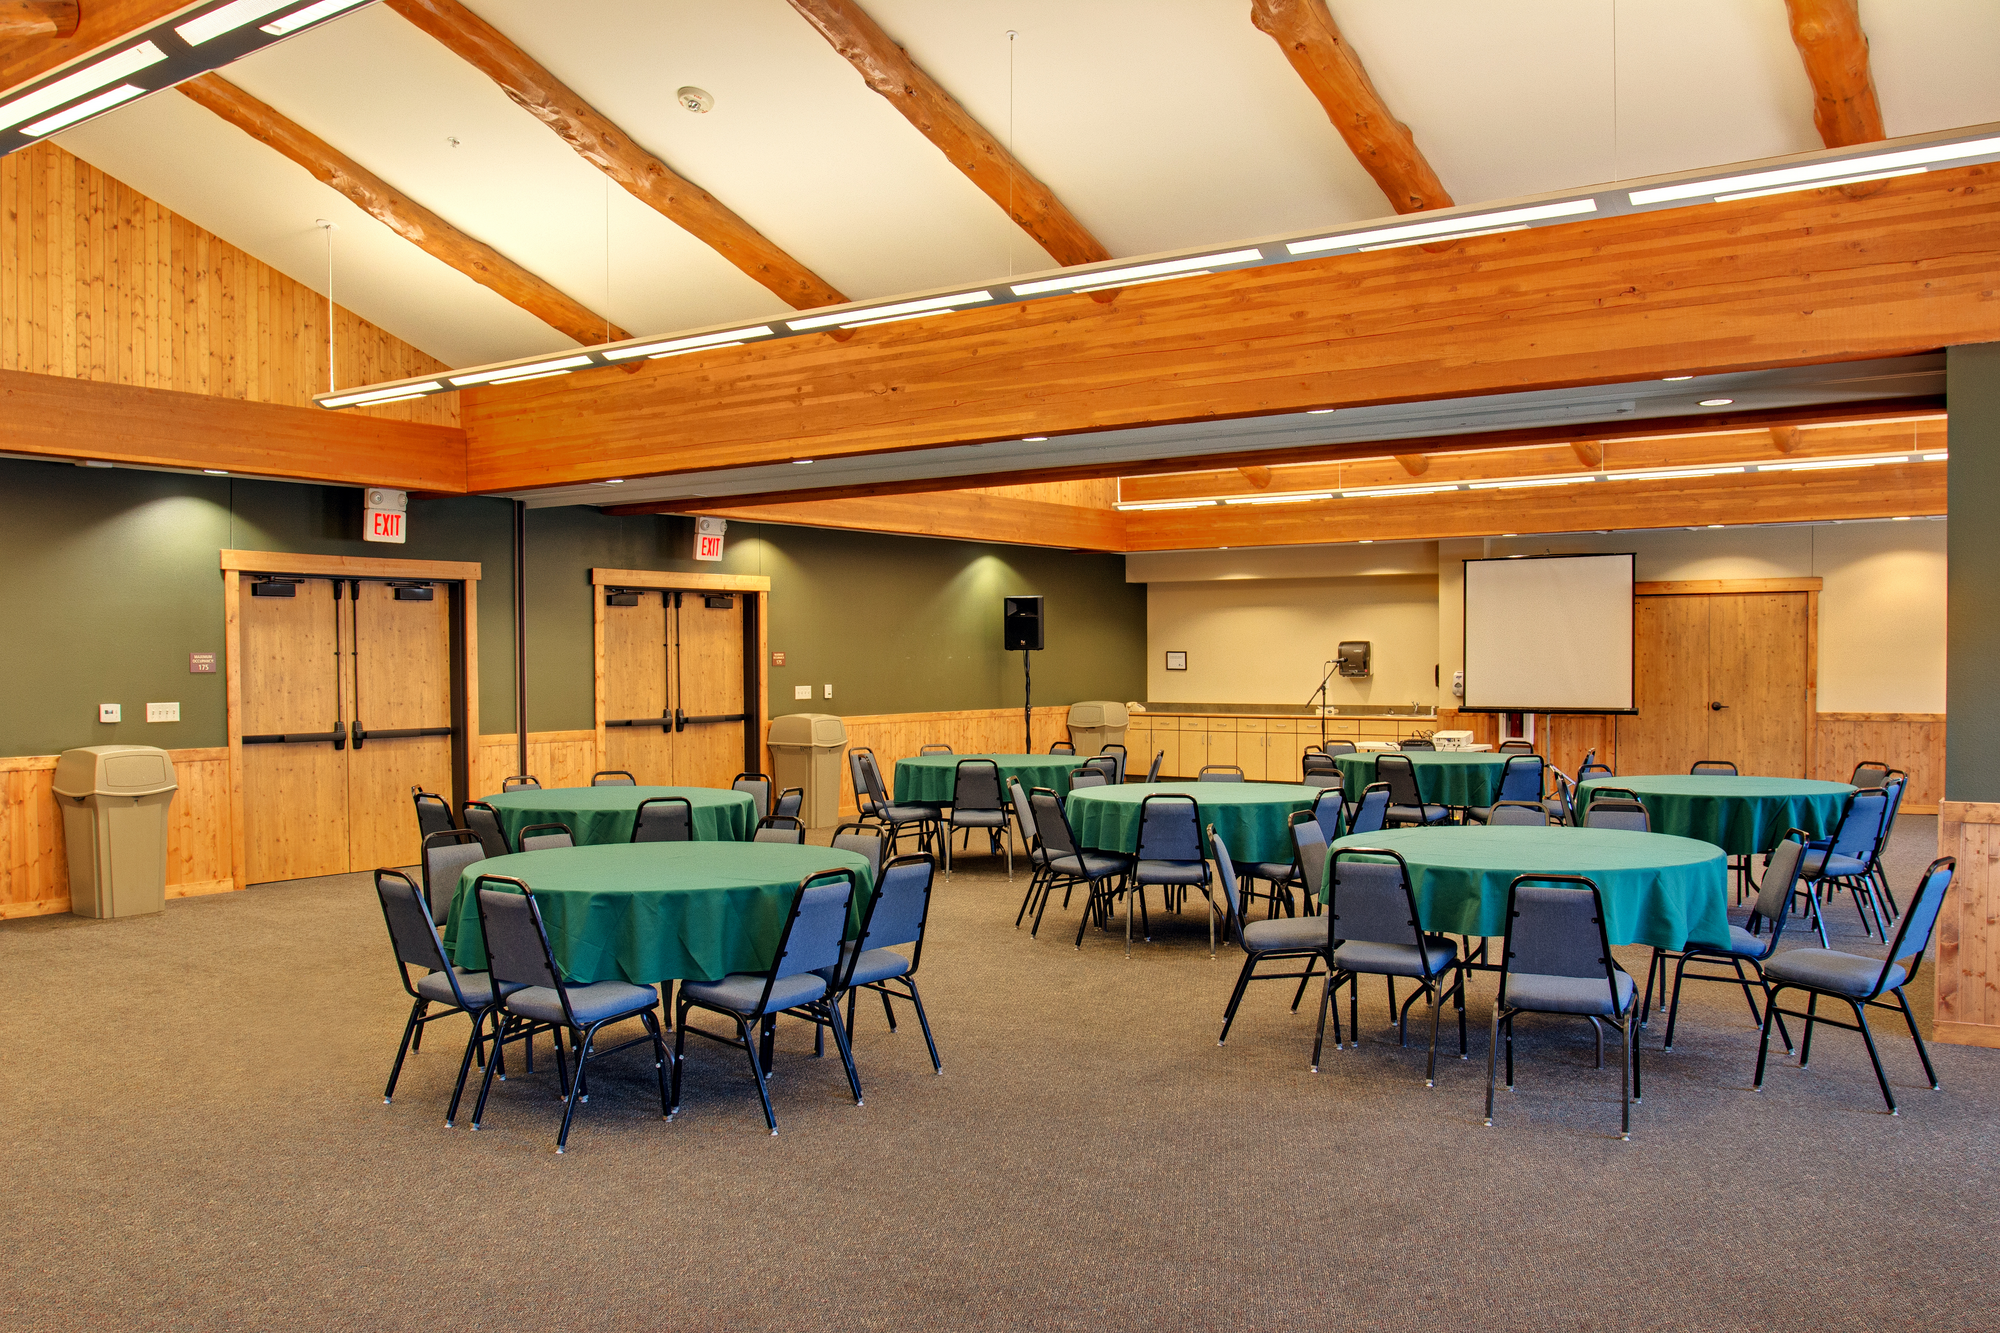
[444, 855]
[1406, 802]
[1169, 854]
[1557, 960]
[1038, 859]
[1525, 814]
[1870, 773]
[896, 818]
[535, 998]
[1746, 943]
[546, 837]
[1371, 812]
[758, 788]
[976, 803]
[1333, 749]
[1069, 866]
[1376, 931]
[1861, 982]
[1061, 747]
[1561, 803]
[1103, 763]
[1284, 876]
[1615, 808]
[1416, 743]
[1713, 768]
[484, 821]
[1116, 752]
[433, 813]
[896, 918]
[1310, 841]
[780, 828]
[1517, 747]
[1297, 939]
[866, 840]
[613, 777]
[791, 801]
[1088, 777]
[1520, 781]
[934, 749]
[1219, 773]
[520, 782]
[663, 819]
[792, 983]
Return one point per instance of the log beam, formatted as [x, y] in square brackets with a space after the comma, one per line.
[1323, 58]
[99, 23]
[1414, 464]
[38, 18]
[1260, 477]
[1590, 453]
[1786, 439]
[1835, 50]
[888, 70]
[602, 144]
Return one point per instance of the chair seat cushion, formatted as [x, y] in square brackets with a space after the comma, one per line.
[1479, 813]
[1278, 872]
[599, 1000]
[1819, 866]
[1429, 814]
[1830, 970]
[1089, 865]
[1557, 808]
[1568, 995]
[477, 986]
[1283, 934]
[1394, 960]
[739, 992]
[907, 814]
[979, 818]
[1171, 872]
[874, 965]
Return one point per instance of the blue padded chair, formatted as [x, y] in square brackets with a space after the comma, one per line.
[433, 813]
[1406, 802]
[484, 820]
[1520, 780]
[758, 788]
[792, 983]
[780, 828]
[444, 856]
[1860, 982]
[1153, 772]
[896, 918]
[1557, 960]
[1376, 931]
[535, 998]
[976, 803]
[1169, 854]
[1747, 943]
[545, 837]
[1516, 747]
[1847, 859]
[1371, 812]
[1895, 784]
[1590, 768]
[613, 777]
[1068, 865]
[664, 819]
[1300, 939]
[1520, 814]
[791, 801]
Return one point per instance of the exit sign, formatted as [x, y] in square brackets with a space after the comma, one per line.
[384, 516]
[708, 538]
[384, 525]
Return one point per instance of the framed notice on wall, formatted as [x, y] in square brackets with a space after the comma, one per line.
[1177, 661]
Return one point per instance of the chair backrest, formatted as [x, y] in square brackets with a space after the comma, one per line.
[1169, 828]
[544, 837]
[1719, 768]
[975, 785]
[1153, 772]
[1317, 761]
[1416, 743]
[520, 782]
[433, 813]
[411, 932]
[1342, 747]
[1024, 814]
[1371, 812]
[934, 749]
[1051, 824]
[1526, 813]
[1616, 808]
[1326, 781]
[1590, 768]
[1225, 873]
[759, 788]
[1371, 899]
[902, 904]
[1309, 840]
[1861, 824]
[1517, 747]
[517, 945]
[484, 820]
[1565, 793]
[1781, 880]
[1061, 747]
[1401, 775]
[664, 819]
[1117, 752]
[1555, 928]
[1521, 778]
[1087, 776]
[1219, 773]
[816, 925]
[857, 772]
[613, 777]
[1105, 764]
[790, 801]
[1331, 812]
[1895, 784]
[871, 772]
[863, 840]
[780, 828]
[1870, 773]
[445, 854]
[1913, 936]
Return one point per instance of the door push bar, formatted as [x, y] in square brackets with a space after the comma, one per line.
[395, 734]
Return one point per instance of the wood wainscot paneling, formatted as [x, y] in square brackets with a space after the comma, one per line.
[1563, 739]
[1913, 742]
[556, 758]
[1968, 942]
[34, 871]
[894, 736]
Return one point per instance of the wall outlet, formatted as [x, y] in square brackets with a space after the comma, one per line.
[802, 691]
[110, 712]
[163, 712]
[829, 692]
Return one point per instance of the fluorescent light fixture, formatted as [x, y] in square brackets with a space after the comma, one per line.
[1189, 267]
[370, 397]
[613, 481]
[800, 462]
[1936, 458]
[1819, 185]
[1443, 227]
[1900, 518]
[1675, 379]
[111, 69]
[1671, 473]
[308, 16]
[1153, 505]
[1294, 497]
[509, 373]
[1817, 173]
[1141, 282]
[214, 472]
[1824, 464]
[1717, 402]
[85, 110]
[675, 346]
[523, 379]
[1033, 439]
[884, 313]
[1455, 236]
[1319, 411]
[1371, 491]
[384, 402]
[1517, 484]
[227, 19]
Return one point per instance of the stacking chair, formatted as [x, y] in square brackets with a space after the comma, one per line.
[923, 818]
[1316, 764]
[1406, 802]
[520, 782]
[1309, 841]
[1520, 781]
[1561, 804]
[1557, 960]
[1087, 776]
[1299, 939]
[865, 840]
[535, 998]
[1169, 855]
[484, 821]
[759, 788]
[1847, 859]
[857, 772]
[1527, 814]
[1590, 768]
[934, 749]
[897, 917]
[1517, 747]
[1117, 753]
[1896, 783]
[1371, 812]
[1219, 773]
[790, 802]
[1334, 748]
[1153, 772]
[1860, 982]
[1416, 743]
[664, 819]
[1746, 944]
[1870, 773]
[976, 803]
[780, 828]
[1373, 923]
[1616, 808]
[1713, 768]
[1069, 865]
[613, 777]
[444, 855]
[1282, 876]
[792, 983]
[433, 813]
[413, 935]
[546, 837]
[1038, 858]
[1061, 747]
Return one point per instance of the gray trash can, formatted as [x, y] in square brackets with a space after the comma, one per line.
[806, 749]
[1096, 723]
[114, 801]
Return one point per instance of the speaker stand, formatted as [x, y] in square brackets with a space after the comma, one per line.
[1027, 706]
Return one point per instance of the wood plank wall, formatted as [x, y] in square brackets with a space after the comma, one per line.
[557, 758]
[98, 282]
[1968, 944]
[894, 736]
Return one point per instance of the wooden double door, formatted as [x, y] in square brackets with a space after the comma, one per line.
[1722, 675]
[675, 705]
[349, 696]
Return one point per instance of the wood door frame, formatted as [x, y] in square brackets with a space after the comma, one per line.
[657, 580]
[234, 563]
[1811, 587]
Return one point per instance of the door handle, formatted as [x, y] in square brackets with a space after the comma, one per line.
[680, 720]
[1717, 707]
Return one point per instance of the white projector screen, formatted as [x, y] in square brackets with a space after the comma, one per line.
[1549, 634]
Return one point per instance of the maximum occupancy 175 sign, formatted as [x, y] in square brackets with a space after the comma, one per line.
[708, 537]
[385, 515]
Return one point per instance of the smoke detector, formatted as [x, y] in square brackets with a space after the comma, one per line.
[698, 100]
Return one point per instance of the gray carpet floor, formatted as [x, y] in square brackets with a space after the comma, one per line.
[197, 1140]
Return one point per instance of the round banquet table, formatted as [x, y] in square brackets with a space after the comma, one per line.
[606, 814]
[1252, 817]
[648, 912]
[1738, 814]
[928, 779]
[1658, 889]
[1445, 777]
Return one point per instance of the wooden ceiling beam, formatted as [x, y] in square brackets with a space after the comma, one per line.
[602, 144]
[1414, 464]
[37, 18]
[1835, 50]
[1383, 145]
[938, 116]
[402, 215]
[968, 515]
[1590, 453]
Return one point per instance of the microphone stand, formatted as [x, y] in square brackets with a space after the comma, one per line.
[1320, 694]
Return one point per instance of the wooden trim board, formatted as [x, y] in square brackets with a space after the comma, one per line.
[346, 566]
[660, 578]
[1696, 587]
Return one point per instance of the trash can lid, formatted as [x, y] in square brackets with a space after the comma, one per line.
[1098, 713]
[113, 770]
[808, 729]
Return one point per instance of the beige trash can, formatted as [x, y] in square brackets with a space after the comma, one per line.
[114, 801]
[1096, 723]
[806, 750]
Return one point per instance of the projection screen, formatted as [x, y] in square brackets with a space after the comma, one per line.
[1549, 634]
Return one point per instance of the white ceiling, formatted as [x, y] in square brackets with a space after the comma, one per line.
[1161, 123]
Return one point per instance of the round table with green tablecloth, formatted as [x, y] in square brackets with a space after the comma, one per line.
[1658, 889]
[1252, 817]
[1741, 815]
[606, 814]
[928, 779]
[648, 912]
[1445, 777]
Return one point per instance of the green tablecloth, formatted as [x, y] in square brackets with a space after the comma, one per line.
[1444, 777]
[1740, 815]
[654, 911]
[1251, 816]
[1658, 889]
[606, 814]
[929, 778]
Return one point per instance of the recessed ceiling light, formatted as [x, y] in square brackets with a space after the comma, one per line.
[1675, 379]
[1318, 411]
[1717, 402]
[614, 481]
[800, 462]
[1900, 518]
[214, 472]
[1366, 541]
[1033, 439]
[1715, 525]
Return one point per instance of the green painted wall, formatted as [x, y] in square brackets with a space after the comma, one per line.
[1972, 580]
[108, 580]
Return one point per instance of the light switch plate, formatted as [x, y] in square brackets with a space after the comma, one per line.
[110, 712]
[829, 692]
[802, 691]
[163, 712]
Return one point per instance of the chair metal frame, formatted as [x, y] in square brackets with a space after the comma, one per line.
[538, 830]
[771, 823]
[520, 782]
[997, 838]
[1429, 983]
[639, 817]
[1388, 767]
[1322, 953]
[597, 779]
[1153, 771]
[495, 842]
[908, 978]
[1038, 860]
[1710, 957]
[880, 806]
[1058, 876]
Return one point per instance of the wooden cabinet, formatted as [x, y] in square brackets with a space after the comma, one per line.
[1267, 749]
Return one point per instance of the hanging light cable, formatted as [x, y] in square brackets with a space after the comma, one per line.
[329, 228]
